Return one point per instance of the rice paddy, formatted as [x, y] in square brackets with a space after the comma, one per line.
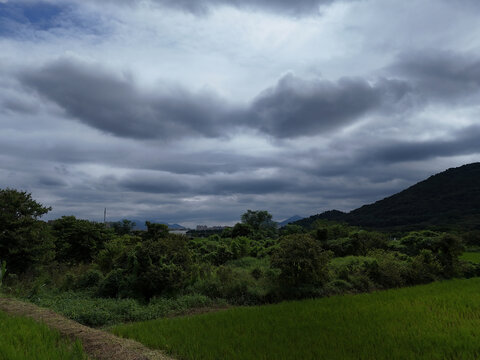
[24, 339]
[435, 321]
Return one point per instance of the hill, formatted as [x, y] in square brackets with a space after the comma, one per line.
[289, 220]
[445, 200]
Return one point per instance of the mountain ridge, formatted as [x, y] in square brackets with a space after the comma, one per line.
[449, 198]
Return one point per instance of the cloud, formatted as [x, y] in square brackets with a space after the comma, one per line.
[285, 7]
[296, 107]
[115, 105]
[293, 107]
[440, 75]
[462, 142]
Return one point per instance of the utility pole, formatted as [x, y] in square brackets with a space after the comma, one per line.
[105, 217]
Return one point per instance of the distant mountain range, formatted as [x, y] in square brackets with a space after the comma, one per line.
[445, 200]
[140, 225]
[289, 220]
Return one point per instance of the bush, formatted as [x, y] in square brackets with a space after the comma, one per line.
[91, 278]
[113, 284]
[389, 269]
[302, 262]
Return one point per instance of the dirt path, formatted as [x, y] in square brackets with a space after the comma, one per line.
[98, 344]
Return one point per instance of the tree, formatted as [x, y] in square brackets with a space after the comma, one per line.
[155, 231]
[123, 227]
[301, 261]
[257, 220]
[79, 241]
[162, 265]
[25, 241]
[241, 230]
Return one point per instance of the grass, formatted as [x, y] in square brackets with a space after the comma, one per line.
[473, 257]
[24, 339]
[92, 311]
[435, 321]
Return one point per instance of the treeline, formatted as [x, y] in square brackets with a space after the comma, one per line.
[250, 263]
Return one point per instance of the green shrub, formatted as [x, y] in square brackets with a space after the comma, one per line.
[301, 261]
[91, 278]
[113, 283]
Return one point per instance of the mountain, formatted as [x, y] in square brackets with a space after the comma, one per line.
[176, 227]
[140, 225]
[289, 220]
[445, 200]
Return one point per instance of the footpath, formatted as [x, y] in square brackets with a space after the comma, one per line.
[98, 344]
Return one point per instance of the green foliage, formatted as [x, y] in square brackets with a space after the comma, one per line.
[445, 247]
[78, 241]
[291, 229]
[155, 231]
[90, 279]
[25, 241]
[258, 219]
[389, 269]
[3, 271]
[124, 227]
[473, 257]
[24, 339]
[91, 311]
[436, 321]
[116, 252]
[260, 222]
[242, 230]
[162, 265]
[301, 260]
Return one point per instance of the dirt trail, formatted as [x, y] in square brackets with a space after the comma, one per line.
[98, 344]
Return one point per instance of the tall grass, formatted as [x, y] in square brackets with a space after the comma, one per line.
[24, 339]
[92, 311]
[473, 257]
[435, 321]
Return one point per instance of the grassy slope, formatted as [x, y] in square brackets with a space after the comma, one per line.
[471, 256]
[436, 321]
[25, 339]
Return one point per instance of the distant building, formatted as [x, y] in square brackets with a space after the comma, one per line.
[202, 227]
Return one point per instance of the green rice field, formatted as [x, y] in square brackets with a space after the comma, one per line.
[471, 256]
[24, 339]
[435, 321]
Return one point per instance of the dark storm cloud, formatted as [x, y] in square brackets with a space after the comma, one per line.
[461, 143]
[115, 105]
[51, 181]
[286, 7]
[295, 107]
[292, 108]
[243, 185]
[440, 75]
[155, 185]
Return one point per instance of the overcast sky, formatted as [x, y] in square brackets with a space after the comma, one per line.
[193, 111]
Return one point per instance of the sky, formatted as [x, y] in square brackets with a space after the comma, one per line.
[193, 111]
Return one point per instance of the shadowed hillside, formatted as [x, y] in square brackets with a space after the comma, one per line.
[448, 199]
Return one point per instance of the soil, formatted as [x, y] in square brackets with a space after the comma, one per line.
[98, 344]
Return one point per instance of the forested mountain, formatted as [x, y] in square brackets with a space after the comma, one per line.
[445, 200]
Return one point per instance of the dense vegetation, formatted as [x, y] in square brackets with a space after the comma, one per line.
[99, 275]
[447, 200]
[436, 321]
[24, 339]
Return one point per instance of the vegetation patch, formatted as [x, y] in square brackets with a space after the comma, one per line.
[473, 257]
[24, 339]
[97, 312]
[435, 321]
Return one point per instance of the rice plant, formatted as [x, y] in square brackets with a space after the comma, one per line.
[24, 339]
[435, 321]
